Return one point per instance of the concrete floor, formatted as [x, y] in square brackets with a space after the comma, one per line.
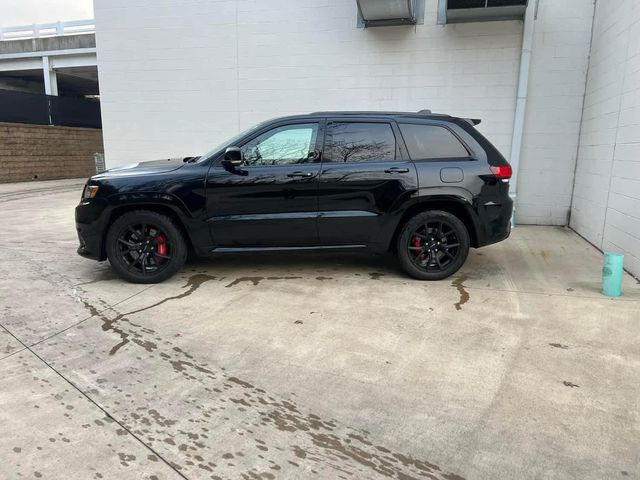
[311, 366]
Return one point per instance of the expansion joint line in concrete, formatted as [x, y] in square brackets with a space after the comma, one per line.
[91, 400]
[109, 307]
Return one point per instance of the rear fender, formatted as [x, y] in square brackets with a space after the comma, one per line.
[455, 200]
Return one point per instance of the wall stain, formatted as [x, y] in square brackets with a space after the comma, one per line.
[464, 295]
[544, 254]
[322, 278]
[559, 345]
[569, 384]
[376, 275]
[257, 280]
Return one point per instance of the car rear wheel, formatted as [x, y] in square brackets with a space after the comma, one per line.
[432, 245]
[145, 247]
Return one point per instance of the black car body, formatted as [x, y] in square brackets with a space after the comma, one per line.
[318, 181]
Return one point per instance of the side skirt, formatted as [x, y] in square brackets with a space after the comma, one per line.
[284, 249]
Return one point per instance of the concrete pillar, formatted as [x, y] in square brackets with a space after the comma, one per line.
[50, 78]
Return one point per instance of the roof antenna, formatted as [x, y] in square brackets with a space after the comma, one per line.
[426, 111]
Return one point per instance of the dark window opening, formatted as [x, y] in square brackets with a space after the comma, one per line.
[505, 3]
[460, 4]
[457, 4]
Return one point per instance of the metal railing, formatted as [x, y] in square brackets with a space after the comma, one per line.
[38, 30]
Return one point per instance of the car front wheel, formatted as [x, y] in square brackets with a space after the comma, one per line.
[145, 247]
[432, 245]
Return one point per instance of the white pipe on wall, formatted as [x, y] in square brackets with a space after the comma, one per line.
[521, 97]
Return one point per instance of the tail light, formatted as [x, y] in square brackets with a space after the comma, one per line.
[503, 172]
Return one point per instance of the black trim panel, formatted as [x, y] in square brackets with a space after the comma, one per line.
[291, 216]
[283, 249]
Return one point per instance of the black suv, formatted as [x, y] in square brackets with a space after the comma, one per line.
[426, 186]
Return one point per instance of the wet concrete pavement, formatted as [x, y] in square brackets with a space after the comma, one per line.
[311, 366]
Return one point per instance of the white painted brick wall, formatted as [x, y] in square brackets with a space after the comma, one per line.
[177, 77]
[606, 200]
[559, 62]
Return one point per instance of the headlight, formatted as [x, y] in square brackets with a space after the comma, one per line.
[90, 191]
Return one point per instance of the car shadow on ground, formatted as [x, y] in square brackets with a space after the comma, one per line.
[302, 262]
[323, 265]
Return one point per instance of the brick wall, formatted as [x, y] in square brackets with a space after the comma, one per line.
[606, 200]
[37, 152]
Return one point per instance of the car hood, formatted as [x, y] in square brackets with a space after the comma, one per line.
[145, 168]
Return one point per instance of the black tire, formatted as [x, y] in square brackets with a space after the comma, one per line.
[427, 255]
[136, 242]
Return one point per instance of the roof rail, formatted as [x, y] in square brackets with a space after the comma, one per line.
[377, 112]
[359, 112]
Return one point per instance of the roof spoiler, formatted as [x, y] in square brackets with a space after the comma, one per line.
[473, 121]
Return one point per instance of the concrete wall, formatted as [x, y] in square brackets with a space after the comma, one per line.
[37, 152]
[559, 62]
[176, 77]
[606, 200]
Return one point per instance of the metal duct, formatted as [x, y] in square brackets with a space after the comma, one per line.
[387, 12]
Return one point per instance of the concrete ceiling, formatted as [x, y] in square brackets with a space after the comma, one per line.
[73, 81]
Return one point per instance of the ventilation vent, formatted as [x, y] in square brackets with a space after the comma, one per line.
[387, 12]
[458, 11]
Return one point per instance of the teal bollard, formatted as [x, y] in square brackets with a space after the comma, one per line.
[612, 270]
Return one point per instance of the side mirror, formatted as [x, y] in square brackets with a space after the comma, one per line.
[232, 157]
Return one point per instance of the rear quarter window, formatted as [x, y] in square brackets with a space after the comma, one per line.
[431, 142]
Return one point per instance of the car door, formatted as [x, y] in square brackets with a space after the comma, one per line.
[364, 180]
[271, 199]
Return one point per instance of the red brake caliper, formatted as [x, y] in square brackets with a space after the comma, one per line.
[162, 244]
[416, 243]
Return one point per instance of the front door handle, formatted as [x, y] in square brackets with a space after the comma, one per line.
[396, 170]
[300, 174]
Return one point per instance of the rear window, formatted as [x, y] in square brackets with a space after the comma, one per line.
[359, 142]
[431, 141]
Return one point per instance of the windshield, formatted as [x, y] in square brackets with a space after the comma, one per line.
[228, 143]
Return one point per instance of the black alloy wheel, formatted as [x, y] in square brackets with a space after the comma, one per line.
[433, 245]
[145, 247]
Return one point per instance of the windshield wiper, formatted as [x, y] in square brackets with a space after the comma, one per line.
[190, 159]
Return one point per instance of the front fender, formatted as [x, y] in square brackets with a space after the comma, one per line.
[142, 199]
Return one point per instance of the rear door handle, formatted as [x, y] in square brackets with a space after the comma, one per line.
[300, 174]
[396, 170]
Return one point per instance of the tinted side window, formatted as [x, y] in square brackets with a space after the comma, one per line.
[282, 145]
[430, 141]
[359, 142]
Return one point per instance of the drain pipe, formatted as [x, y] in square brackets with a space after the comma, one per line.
[521, 98]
